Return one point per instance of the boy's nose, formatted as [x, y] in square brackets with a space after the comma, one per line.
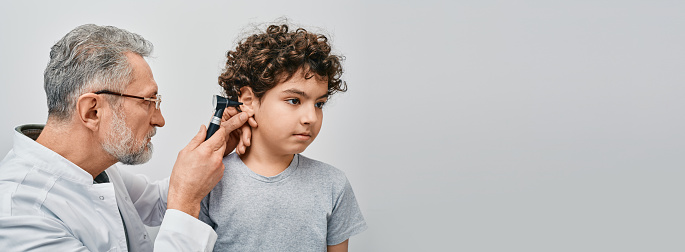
[309, 115]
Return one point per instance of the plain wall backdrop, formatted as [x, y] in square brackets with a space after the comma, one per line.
[468, 126]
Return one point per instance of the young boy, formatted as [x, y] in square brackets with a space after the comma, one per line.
[271, 198]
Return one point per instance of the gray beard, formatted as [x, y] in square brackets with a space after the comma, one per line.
[121, 143]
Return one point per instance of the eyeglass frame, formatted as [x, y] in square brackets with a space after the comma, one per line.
[157, 99]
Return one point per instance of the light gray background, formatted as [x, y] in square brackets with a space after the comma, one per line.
[468, 126]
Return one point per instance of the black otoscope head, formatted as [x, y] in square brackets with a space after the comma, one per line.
[219, 104]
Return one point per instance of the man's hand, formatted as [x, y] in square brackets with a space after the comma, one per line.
[198, 167]
[240, 138]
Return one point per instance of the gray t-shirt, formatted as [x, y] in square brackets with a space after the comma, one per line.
[305, 208]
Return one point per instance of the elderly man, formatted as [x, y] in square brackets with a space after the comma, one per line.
[59, 187]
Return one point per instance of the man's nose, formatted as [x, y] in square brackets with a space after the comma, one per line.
[158, 118]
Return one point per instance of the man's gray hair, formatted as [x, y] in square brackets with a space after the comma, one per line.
[88, 59]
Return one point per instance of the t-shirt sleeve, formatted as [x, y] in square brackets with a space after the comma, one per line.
[346, 218]
[204, 212]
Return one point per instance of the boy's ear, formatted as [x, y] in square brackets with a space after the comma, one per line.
[89, 110]
[248, 99]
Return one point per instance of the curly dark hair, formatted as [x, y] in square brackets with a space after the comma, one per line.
[263, 60]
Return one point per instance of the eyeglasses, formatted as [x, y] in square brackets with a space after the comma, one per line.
[157, 99]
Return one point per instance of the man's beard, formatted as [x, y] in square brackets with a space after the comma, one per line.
[121, 143]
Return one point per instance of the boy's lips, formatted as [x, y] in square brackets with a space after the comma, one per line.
[303, 136]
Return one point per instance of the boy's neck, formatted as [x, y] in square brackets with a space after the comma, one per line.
[264, 163]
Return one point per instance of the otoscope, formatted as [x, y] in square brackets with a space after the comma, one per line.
[220, 103]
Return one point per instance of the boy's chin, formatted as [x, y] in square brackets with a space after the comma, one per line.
[298, 150]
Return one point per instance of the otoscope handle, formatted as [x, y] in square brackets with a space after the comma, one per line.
[215, 123]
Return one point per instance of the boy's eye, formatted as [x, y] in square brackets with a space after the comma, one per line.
[293, 101]
[320, 104]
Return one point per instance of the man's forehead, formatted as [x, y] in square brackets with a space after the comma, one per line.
[142, 80]
[146, 88]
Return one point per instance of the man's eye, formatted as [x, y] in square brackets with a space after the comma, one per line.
[320, 104]
[293, 101]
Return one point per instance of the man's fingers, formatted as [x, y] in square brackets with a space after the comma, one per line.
[221, 151]
[240, 149]
[237, 147]
[216, 141]
[252, 122]
[235, 122]
[228, 113]
[246, 135]
[198, 139]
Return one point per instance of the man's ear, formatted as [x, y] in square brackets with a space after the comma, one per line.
[89, 109]
[248, 99]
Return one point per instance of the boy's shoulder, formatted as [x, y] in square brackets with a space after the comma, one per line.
[319, 168]
[309, 162]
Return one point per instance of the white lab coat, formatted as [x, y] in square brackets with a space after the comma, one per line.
[47, 203]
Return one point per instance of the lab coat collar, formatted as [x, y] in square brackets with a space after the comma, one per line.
[45, 159]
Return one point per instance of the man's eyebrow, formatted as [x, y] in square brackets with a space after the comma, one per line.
[153, 93]
[302, 93]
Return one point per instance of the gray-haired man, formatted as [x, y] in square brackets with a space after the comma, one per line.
[62, 192]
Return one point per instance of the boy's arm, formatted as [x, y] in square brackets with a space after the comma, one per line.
[342, 247]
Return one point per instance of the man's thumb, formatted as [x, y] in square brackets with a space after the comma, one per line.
[198, 139]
